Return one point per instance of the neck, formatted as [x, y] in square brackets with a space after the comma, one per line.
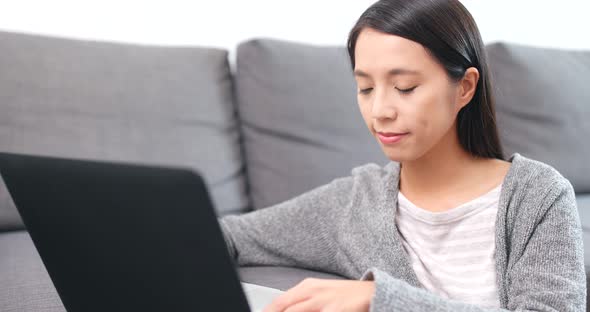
[438, 169]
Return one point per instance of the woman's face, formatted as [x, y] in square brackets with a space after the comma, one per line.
[402, 89]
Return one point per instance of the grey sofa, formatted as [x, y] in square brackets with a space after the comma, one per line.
[284, 121]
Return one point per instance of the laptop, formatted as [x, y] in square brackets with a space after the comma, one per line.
[123, 237]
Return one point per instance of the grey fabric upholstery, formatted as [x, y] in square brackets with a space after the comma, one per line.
[584, 209]
[281, 278]
[300, 119]
[25, 285]
[543, 106]
[143, 104]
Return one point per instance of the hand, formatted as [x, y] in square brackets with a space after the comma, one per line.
[323, 295]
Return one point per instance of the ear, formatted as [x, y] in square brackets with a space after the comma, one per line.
[466, 87]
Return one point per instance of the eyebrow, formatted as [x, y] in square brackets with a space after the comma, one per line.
[392, 72]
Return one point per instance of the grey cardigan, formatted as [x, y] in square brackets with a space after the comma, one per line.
[346, 227]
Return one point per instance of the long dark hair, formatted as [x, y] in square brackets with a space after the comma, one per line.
[448, 32]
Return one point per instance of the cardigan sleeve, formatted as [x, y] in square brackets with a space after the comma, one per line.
[548, 276]
[298, 232]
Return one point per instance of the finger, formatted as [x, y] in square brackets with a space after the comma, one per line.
[282, 302]
[300, 292]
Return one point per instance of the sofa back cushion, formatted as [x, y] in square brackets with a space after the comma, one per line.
[300, 119]
[543, 106]
[170, 106]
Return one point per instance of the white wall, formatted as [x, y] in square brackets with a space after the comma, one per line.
[563, 23]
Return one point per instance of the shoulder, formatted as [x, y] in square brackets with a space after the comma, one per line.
[373, 180]
[374, 168]
[534, 188]
[375, 172]
[537, 176]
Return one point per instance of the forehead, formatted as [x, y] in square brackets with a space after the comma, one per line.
[377, 52]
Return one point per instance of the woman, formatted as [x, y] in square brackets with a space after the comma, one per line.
[448, 225]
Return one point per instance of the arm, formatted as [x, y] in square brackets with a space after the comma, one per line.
[297, 232]
[549, 276]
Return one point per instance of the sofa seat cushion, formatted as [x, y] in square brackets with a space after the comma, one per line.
[25, 285]
[281, 278]
[583, 201]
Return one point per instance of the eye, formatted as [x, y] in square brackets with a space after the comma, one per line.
[365, 91]
[406, 91]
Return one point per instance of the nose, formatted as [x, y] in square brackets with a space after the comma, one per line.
[383, 107]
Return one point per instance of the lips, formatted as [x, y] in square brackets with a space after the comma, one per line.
[391, 134]
[390, 138]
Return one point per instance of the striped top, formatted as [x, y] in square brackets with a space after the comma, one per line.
[452, 252]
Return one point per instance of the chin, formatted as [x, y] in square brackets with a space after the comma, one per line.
[395, 154]
[400, 154]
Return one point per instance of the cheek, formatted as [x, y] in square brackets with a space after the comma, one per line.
[431, 115]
